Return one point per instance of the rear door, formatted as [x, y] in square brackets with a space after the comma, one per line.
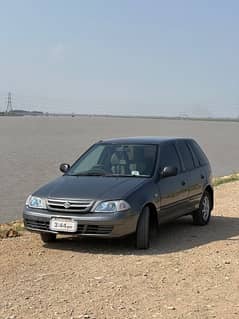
[193, 171]
[202, 164]
[173, 190]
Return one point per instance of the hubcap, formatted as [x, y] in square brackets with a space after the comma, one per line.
[205, 208]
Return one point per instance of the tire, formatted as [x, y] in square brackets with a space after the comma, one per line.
[203, 214]
[143, 230]
[48, 237]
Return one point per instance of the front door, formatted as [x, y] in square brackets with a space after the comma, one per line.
[173, 191]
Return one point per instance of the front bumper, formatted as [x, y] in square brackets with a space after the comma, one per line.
[89, 224]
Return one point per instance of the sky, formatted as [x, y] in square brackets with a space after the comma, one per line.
[133, 57]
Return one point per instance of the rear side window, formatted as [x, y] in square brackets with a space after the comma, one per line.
[186, 155]
[202, 158]
[169, 157]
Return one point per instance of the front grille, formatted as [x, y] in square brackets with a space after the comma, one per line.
[81, 228]
[69, 205]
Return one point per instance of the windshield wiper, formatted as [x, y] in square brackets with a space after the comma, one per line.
[129, 175]
[90, 173]
[98, 173]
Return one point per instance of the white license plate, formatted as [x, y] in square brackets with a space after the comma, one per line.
[64, 225]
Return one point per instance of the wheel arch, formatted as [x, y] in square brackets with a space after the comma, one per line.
[152, 213]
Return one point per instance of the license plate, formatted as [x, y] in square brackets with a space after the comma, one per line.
[64, 225]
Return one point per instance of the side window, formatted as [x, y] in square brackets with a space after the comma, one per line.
[199, 153]
[169, 157]
[186, 155]
[195, 157]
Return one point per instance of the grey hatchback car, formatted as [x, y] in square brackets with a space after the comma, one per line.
[124, 186]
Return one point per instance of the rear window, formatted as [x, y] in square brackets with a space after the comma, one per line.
[202, 158]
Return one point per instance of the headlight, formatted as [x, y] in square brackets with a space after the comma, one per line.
[112, 206]
[36, 202]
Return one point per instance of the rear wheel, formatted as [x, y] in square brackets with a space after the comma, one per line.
[143, 230]
[203, 214]
[48, 237]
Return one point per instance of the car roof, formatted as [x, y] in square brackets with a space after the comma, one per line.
[143, 140]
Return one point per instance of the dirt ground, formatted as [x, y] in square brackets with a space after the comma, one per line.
[189, 272]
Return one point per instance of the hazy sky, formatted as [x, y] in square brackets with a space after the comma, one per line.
[146, 57]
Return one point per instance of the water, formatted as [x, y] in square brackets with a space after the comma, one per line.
[31, 148]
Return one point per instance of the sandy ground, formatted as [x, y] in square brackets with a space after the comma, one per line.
[189, 272]
[31, 148]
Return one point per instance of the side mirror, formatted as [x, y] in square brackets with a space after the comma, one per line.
[169, 171]
[64, 168]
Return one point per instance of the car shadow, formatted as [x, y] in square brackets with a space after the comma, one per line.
[179, 235]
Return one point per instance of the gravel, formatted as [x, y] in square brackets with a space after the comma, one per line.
[189, 272]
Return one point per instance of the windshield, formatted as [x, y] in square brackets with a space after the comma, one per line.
[135, 160]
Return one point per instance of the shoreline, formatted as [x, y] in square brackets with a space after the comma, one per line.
[122, 116]
[225, 179]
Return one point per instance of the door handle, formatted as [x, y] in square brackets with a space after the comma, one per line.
[202, 176]
[183, 183]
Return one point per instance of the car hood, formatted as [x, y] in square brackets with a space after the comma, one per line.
[90, 187]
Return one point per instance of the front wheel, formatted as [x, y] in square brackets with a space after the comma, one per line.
[143, 229]
[48, 237]
[203, 214]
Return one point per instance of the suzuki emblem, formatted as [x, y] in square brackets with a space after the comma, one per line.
[67, 205]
